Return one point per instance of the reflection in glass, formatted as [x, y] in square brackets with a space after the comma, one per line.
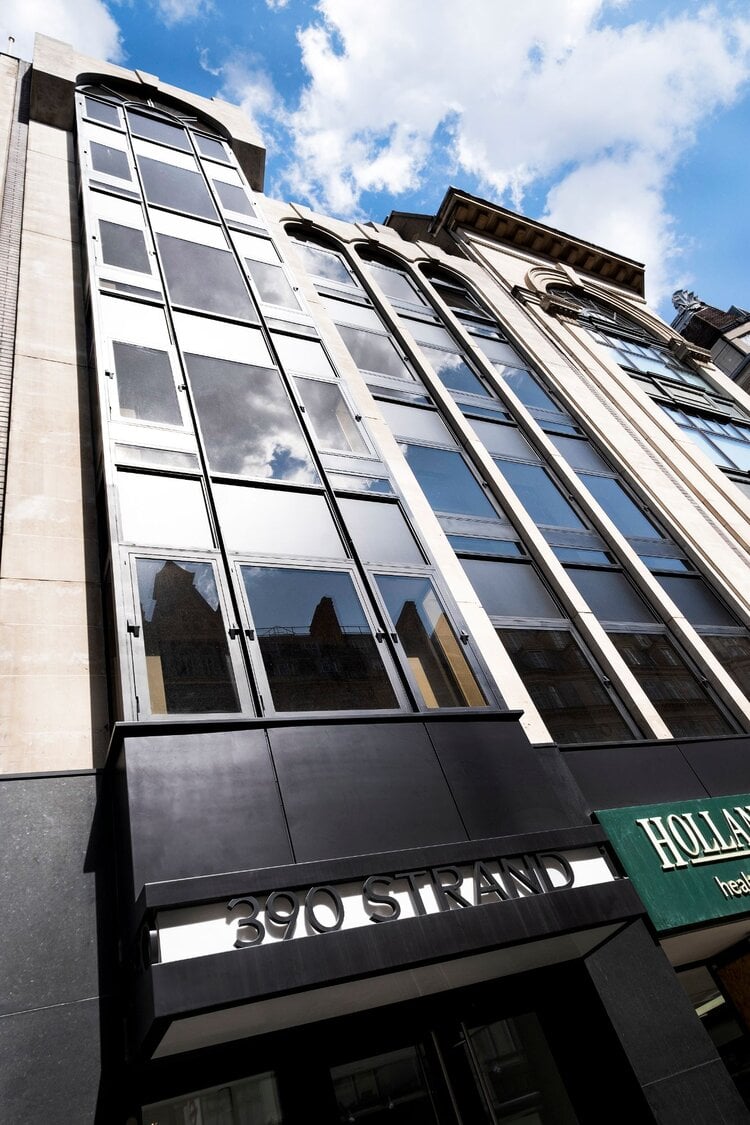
[395, 284]
[525, 386]
[317, 648]
[124, 247]
[375, 353]
[697, 601]
[447, 482]
[110, 161]
[247, 421]
[298, 353]
[179, 188]
[380, 533]
[277, 521]
[207, 146]
[324, 263]
[517, 1074]
[388, 1089]
[145, 386]
[610, 595]
[472, 544]
[233, 198]
[156, 130]
[163, 511]
[680, 699]
[566, 692]
[541, 498]
[204, 277]
[251, 1101]
[187, 654]
[102, 111]
[454, 371]
[272, 284]
[510, 589]
[358, 482]
[621, 509]
[436, 660]
[733, 653]
[330, 417]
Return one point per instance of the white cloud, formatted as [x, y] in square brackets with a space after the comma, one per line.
[86, 24]
[181, 11]
[517, 100]
[276, 5]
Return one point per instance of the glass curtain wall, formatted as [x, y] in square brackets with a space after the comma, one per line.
[234, 460]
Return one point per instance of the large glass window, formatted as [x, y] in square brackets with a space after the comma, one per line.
[163, 511]
[510, 589]
[374, 353]
[175, 187]
[277, 521]
[620, 507]
[124, 247]
[447, 482]
[672, 687]
[325, 264]
[156, 129]
[317, 647]
[185, 640]
[567, 694]
[387, 1089]
[145, 386]
[330, 417]
[380, 533]
[247, 421]
[205, 277]
[109, 161]
[434, 655]
[541, 498]
[234, 198]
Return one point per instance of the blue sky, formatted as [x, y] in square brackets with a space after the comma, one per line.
[622, 121]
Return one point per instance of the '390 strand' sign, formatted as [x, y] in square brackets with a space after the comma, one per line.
[283, 915]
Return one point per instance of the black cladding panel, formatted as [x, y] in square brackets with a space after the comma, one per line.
[502, 785]
[361, 788]
[723, 765]
[619, 776]
[203, 803]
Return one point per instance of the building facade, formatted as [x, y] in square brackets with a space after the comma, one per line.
[725, 333]
[376, 683]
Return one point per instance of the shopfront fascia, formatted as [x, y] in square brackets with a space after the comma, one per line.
[277, 875]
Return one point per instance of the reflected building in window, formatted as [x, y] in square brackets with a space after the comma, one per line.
[354, 577]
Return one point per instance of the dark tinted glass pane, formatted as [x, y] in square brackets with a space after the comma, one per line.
[101, 111]
[247, 421]
[207, 146]
[518, 1075]
[145, 385]
[436, 659]
[155, 130]
[458, 298]
[540, 497]
[583, 555]
[272, 284]
[331, 418]
[656, 563]
[610, 595]
[110, 161]
[447, 482]
[324, 263]
[124, 247]
[233, 1103]
[187, 654]
[624, 512]
[386, 1089]
[670, 685]
[699, 604]
[233, 198]
[380, 533]
[733, 653]
[565, 690]
[454, 371]
[176, 187]
[738, 452]
[204, 277]
[472, 544]
[508, 589]
[317, 648]
[375, 353]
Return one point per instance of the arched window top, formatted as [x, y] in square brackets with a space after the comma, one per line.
[132, 96]
[603, 314]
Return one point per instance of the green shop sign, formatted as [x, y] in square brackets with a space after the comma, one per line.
[689, 861]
